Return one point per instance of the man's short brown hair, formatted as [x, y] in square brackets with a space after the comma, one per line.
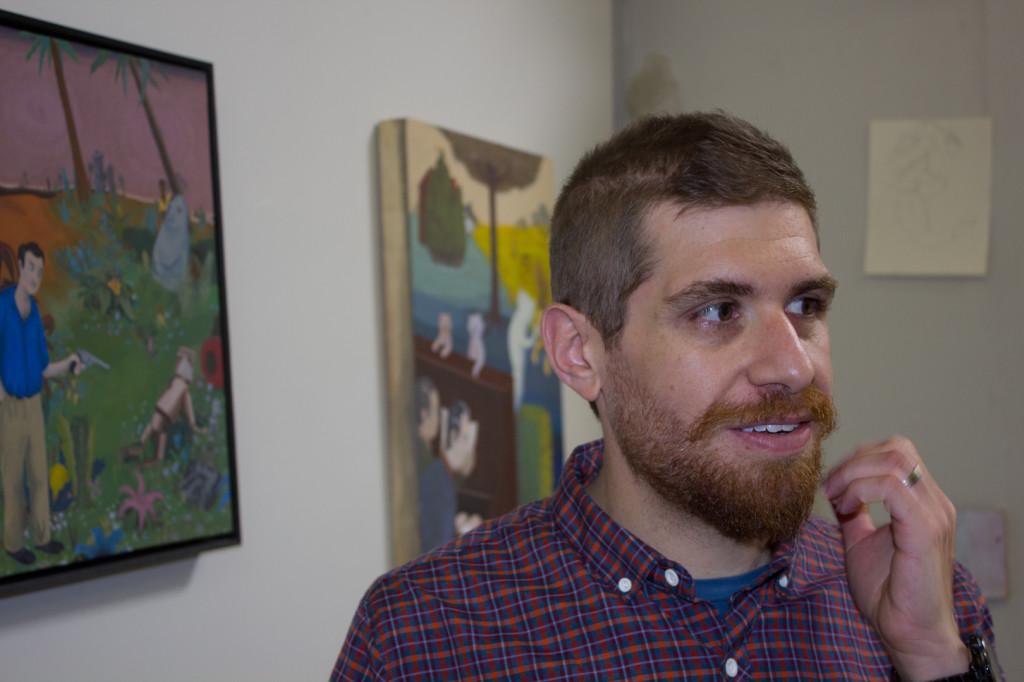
[599, 250]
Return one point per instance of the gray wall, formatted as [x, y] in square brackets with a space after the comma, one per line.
[937, 359]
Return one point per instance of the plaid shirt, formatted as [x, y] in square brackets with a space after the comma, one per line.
[556, 590]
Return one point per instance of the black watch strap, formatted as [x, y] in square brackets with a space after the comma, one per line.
[982, 666]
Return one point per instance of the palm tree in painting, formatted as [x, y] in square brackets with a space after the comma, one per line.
[49, 50]
[142, 71]
[499, 169]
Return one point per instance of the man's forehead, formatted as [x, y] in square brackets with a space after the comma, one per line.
[708, 223]
[703, 243]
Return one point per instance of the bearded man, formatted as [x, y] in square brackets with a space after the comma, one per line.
[691, 312]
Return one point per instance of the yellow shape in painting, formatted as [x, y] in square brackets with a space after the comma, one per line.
[522, 260]
[58, 478]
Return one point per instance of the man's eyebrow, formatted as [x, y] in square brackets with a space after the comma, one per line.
[702, 290]
[827, 283]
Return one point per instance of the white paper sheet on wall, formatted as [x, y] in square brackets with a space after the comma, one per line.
[929, 189]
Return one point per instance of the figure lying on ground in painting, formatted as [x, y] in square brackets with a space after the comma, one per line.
[171, 404]
[522, 335]
[442, 345]
[171, 248]
[24, 365]
[476, 352]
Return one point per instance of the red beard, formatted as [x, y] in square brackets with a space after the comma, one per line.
[744, 499]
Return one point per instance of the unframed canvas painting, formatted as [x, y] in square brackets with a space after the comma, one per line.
[466, 226]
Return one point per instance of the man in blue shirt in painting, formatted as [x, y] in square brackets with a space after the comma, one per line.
[24, 364]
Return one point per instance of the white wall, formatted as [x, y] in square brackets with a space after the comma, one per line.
[938, 359]
[299, 88]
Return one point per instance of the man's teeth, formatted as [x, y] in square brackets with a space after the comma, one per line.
[771, 428]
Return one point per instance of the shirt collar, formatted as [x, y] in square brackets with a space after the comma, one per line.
[610, 550]
[613, 553]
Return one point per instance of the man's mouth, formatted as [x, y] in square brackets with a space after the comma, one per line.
[777, 424]
[779, 435]
[771, 428]
[782, 434]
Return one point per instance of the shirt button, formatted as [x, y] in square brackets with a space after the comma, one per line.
[671, 577]
[625, 585]
[783, 581]
[732, 668]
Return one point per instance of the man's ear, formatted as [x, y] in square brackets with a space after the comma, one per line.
[575, 349]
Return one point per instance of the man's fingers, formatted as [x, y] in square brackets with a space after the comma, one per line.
[918, 523]
[896, 456]
[855, 526]
[888, 490]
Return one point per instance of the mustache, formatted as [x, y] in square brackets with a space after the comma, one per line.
[811, 402]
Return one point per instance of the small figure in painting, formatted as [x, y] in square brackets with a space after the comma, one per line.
[442, 345]
[169, 406]
[465, 522]
[97, 171]
[458, 438]
[475, 326]
[459, 448]
[522, 335]
[436, 487]
[171, 248]
[164, 200]
[439, 464]
[24, 365]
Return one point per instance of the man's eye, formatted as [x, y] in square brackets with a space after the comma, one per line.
[717, 312]
[805, 306]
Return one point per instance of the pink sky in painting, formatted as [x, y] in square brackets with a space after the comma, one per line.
[33, 136]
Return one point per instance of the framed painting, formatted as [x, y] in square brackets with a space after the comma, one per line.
[474, 417]
[116, 440]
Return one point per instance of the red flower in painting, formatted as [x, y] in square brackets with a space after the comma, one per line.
[211, 360]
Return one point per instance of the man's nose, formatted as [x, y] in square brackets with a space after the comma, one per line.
[779, 357]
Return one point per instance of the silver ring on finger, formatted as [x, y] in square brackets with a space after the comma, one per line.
[913, 477]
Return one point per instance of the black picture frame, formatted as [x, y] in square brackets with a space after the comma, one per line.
[109, 166]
